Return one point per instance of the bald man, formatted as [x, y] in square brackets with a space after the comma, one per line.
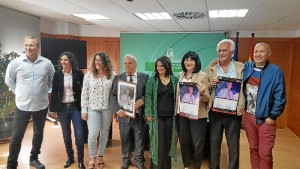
[264, 90]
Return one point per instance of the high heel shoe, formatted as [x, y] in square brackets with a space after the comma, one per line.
[92, 163]
[100, 162]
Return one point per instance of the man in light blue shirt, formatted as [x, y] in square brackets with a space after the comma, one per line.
[220, 122]
[30, 78]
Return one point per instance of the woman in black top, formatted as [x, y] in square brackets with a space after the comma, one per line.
[65, 101]
[160, 114]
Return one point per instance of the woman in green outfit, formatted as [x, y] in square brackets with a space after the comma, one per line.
[160, 114]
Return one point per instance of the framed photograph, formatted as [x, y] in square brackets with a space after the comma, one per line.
[188, 100]
[126, 97]
[226, 95]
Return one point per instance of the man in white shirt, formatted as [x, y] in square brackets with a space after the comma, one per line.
[30, 78]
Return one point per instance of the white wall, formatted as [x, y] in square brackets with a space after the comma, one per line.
[59, 28]
[14, 27]
[65, 28]
[97, 31]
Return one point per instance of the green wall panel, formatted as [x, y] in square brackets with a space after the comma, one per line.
[147, 47]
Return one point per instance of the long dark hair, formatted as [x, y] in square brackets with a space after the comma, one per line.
[194, 56]
[72, 59]
[106, 63]
[166, 62]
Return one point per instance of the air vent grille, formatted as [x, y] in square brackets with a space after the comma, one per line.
[190, 15]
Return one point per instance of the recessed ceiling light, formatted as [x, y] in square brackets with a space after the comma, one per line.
[91, 16]
[223, 13]
[232, 13]
[242, 12]
[166, 15]
[142, 16]
[228, 13]
[213, 13]
[153, 16]
[158, 15]
[150, 16]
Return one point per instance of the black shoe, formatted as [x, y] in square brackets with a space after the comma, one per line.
[143, 167]
[124, 167]
[81, 165]
[68, 163]
[37, 164]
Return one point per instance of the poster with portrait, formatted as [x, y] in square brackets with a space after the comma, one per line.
[226, 95]
[189, 97]
[126, 97]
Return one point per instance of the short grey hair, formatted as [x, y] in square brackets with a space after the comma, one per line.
[131, 57]
[33, 37]
[231, 43]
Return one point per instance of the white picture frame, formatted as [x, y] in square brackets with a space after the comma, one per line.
[126, 97]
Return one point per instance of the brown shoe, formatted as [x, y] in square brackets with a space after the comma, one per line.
[92, 163]
[100, 162]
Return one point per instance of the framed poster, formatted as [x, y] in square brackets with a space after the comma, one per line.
[226, 95]
[126, 97]
[189, 97]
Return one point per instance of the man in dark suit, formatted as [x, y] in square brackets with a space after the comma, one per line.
[131, 130]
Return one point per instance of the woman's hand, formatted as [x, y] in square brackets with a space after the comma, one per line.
[149, 118]
[53, 114]
[201, 88]
[84, 116]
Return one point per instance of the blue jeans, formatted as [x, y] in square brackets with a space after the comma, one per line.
[98, 121]
[231, 124]
[21, 120]
[65, 116]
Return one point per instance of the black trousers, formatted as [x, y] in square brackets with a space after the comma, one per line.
[192, 135]
[231, 125]
[165, 125]
[21, 120]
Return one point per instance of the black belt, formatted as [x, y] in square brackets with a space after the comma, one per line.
[71, 104]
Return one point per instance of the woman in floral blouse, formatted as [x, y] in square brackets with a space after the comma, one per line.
[95, 108]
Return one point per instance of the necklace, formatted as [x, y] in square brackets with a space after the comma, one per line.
[164, 80]
[188, 78]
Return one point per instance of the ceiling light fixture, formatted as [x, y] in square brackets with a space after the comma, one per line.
[153, 16]
[228, 13]
[91, 16]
